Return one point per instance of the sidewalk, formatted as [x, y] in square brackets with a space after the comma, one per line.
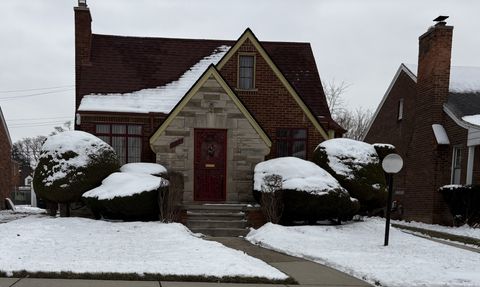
[306, 273]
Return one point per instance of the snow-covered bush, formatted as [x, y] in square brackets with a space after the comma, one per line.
[127, 196]
[463, 202]
[383, 150]
[145, 168]
[357, 167]
[72, 163]
[309, 193]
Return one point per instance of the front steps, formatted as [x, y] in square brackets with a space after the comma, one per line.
[218, 220]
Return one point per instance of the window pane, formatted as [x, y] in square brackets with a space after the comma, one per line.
[282, 148]
[299, 134]
[118, 143]
[105, 139]
[134, 130]
[282, 133]
[245, 70]
[246, 61]
[119, 129]
[102, 129]
[134, 149]
[299, 149]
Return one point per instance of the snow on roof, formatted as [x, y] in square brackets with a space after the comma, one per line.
[440, 134]
[344, 155]
[81, 143]
[462, 79]
[144, 167]
[297, 174]
[121, 184]
[161, 99]
[472, 119]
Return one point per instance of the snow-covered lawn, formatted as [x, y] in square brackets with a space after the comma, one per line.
[464, 230]
[357, 248]
[21, 211]
[79, 245]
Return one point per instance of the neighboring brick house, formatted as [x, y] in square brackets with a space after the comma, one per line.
[210, 109]
[6, 163]
[423, 114]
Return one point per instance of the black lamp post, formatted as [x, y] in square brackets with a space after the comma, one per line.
[391, 164]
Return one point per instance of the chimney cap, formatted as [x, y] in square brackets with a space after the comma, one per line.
[82, 3]
[440, 18]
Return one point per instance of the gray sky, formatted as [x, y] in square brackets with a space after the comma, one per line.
[359, 42]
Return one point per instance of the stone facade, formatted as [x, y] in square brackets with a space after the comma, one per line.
[212, 107]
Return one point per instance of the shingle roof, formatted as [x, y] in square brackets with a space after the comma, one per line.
[464, 104]
[125, 64]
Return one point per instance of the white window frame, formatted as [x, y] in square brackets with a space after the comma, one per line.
[455, 167]
[400, 110]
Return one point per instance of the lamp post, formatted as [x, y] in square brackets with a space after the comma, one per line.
[391, 164]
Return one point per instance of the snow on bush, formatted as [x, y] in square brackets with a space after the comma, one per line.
[144, 167]
[71, 163]
[128, 196]
[383, 149]
[309, 193]
[356, 165]
[297, 174]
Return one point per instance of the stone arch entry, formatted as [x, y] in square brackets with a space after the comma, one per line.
[210, 164]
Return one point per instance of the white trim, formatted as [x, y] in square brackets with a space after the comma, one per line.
[458, 121]
[471, 156]
[2, 119]
[452, 167]
[385, 96]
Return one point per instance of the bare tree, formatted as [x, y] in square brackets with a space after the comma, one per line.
[29, 149]
[354, 121]
[272, 201]
[67, 126]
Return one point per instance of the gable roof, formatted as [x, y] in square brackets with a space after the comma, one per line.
[403, 68]
[127, 64]
[211, 71]
[4, 123]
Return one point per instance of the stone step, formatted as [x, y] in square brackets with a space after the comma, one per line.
[215, 216]
[215, 207]
[221, 232]
[193, 223]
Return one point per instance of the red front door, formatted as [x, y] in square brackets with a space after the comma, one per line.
[209, 164]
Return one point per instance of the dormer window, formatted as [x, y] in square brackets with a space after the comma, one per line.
[246, 72]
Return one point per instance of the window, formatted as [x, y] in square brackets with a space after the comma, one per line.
[292, 142]
[246, 72]
[400, 109]
[125, 139]
[456, 165]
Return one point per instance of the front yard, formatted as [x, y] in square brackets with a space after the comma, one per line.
[48, 246]
[357, 248]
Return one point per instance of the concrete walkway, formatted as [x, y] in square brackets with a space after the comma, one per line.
[306, 273]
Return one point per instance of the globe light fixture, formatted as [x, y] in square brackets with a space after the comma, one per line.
[391, 164]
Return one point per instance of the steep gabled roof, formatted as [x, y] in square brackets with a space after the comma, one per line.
[126, 64]
[4, 124]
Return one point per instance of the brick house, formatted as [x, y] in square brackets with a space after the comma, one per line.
[424, 114]
[6, 163]
[209, 109]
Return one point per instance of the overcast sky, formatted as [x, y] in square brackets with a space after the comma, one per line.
[359, 42]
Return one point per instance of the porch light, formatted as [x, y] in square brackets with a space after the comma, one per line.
[391, 164]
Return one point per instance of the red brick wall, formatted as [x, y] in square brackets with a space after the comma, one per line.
[6, 166]
[270, 103]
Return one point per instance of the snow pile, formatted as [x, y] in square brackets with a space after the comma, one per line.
[122, 184]
[346, 156]
[161, 99]
[297, 174]
[69, 151]
[463, 230]
[92, 246]
[357, 249]
[472, 119]
[144, 167]
[462, 79]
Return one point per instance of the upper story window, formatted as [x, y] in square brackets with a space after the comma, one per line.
[246, 72]
[456, 165]
[400, 110]
[292, 142]
[125, 139]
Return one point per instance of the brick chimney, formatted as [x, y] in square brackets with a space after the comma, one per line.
[83, 33]
[434, 55]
